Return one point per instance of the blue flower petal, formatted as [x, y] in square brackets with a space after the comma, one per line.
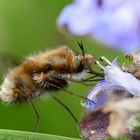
[97, 97]
[115, 62]
[116, 77]
[112, 22]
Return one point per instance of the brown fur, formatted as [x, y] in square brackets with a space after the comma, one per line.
[37, 73]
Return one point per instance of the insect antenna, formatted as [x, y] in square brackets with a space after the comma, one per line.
[66, 108]
[80, 44]
[37, 116]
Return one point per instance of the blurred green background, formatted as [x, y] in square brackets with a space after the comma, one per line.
[29, 26]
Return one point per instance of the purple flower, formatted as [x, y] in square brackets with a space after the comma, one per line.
[113, 107]
[73, 17]
[116, 77]
[97, 97]
[115, 23]
[116, 80]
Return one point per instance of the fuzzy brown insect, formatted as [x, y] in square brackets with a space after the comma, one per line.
[45, 72]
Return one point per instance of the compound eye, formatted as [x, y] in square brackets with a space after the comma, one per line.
[78, 66]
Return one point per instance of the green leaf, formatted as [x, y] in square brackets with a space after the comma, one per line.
[22, 135]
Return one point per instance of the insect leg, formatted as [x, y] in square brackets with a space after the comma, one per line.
[37, 116]
[82, 81]
[66, 108]
[71, 93]
[96, 74]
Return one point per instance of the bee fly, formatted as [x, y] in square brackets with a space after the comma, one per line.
[46, 72]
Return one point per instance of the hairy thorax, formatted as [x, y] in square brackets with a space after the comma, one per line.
[44, 72]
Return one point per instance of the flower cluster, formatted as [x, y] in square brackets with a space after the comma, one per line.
[115, 23]
[115, 101]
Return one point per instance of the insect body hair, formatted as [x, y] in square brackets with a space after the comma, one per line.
[44, 72]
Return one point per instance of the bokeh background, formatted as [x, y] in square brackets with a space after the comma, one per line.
[29, 26]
